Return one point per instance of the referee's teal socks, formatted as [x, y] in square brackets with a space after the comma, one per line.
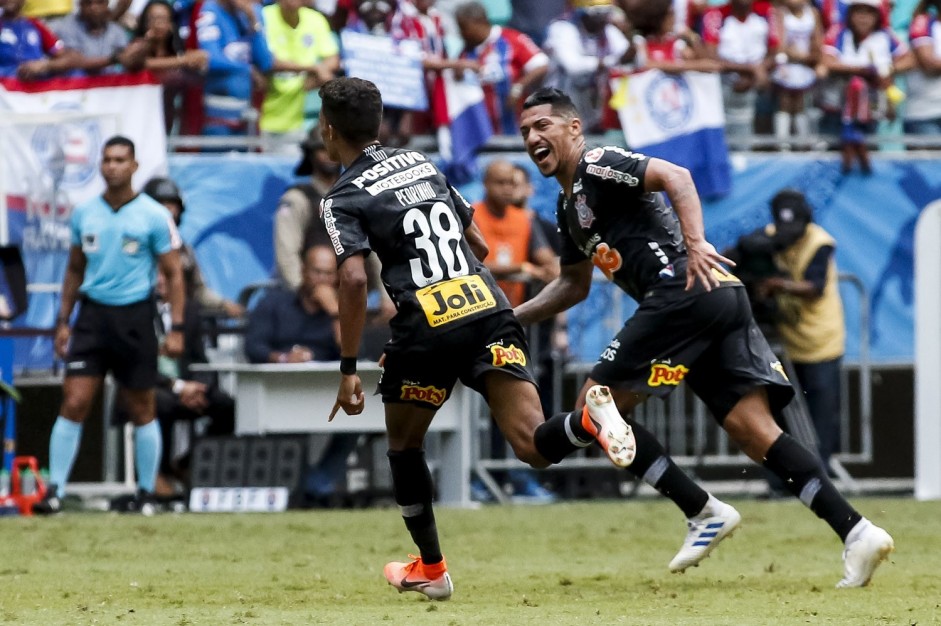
[63, 448]
[148, 446]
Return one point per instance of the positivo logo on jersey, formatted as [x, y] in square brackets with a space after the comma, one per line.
[390, 166]
[663, 374]
[430, 394]
[508, 355]
[453, 299]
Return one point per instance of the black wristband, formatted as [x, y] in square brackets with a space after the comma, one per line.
[177, 328]
[347, 365]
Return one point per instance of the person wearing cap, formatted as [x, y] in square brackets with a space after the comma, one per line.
[862, 58]
[810, 310]
[296, 227]
[582, 46]
[167, 193]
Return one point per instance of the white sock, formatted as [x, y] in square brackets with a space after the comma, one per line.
[801, 124]
[782, 125]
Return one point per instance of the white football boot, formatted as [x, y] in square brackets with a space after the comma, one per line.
[603, 421]
[717, 521]
[867, 546]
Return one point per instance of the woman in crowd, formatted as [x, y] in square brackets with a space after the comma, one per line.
[166, 56]
[800, 32]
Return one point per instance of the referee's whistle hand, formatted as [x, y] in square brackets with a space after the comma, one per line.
[62, 341]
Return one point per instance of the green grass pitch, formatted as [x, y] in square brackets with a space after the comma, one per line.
[580, 563]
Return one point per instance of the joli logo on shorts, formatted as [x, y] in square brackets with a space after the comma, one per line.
[661, 374]
[453, 299]
[430, 394]
[504, 356]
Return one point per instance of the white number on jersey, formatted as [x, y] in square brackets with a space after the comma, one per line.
[438, 236]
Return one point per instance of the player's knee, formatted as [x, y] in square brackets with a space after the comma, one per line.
[525, 450]
[75, 407]
[753, 434]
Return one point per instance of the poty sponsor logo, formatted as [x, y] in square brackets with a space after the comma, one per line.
[662, 374]
[607, 173]
[430, 394]
[505, 356]
[330, 222]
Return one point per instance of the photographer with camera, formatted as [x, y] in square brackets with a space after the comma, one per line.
[790, 271]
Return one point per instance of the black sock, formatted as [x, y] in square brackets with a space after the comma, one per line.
[413, 489]
[803, 476]
[654, 466]
[554, 441]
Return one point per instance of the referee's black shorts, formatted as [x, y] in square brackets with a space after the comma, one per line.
[122, 339]
[425, 373]
[709, 339]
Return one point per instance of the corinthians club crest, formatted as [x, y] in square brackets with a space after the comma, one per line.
[585, 215]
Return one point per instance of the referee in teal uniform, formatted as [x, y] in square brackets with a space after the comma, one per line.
[119, 240]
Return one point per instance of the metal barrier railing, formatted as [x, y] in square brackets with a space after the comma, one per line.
[514, 143]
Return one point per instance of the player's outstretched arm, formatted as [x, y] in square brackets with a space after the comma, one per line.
[570, 288]
[352, 294]
[702, 256]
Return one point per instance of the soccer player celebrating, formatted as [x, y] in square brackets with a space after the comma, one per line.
[452, 320]
[694, 322]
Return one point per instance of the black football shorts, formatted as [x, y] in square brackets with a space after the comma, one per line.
[121, 339]
[709, 339]
[425, 373]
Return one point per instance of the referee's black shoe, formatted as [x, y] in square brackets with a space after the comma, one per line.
[50, 504]
[142, 503]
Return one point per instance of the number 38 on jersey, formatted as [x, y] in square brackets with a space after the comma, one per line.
[442, 269]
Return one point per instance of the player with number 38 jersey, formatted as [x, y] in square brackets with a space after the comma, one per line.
[397, 204]
[453, 322]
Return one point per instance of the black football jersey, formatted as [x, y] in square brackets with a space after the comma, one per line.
[397, 204]
[631, 235]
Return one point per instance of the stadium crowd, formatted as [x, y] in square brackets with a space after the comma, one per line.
[234, 67]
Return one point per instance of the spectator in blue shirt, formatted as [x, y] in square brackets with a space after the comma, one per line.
[231, 32]
[28, 49]
[297, 326]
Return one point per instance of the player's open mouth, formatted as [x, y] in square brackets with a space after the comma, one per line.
[540, 154]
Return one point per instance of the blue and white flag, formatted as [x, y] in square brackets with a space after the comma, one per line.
[465, 129]
[678, 118]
